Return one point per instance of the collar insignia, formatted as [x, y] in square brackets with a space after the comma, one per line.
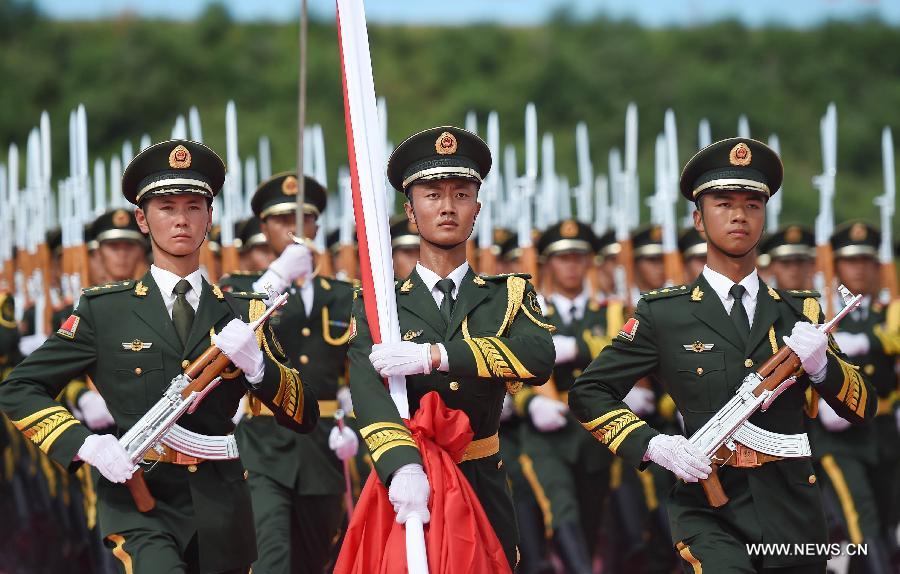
[696, 294]
[140, 289]
[407, 286]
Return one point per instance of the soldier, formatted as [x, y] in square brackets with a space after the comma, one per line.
[568, 470]
[606, 259]
[692, 246]
[791, 256]
[255, 256]
[296, 481]
[649, 269]
[132, 337]
[404, 247]
[861, 462]
[96, 272]
[699, 340]
[465, 337]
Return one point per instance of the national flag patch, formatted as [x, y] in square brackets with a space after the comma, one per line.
[69, 326]
[629, 329]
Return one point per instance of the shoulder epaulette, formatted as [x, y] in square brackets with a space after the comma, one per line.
[665, 292]
[243, 274]
[108, 288]
[249, 295]
[803, 293]
[504, 276]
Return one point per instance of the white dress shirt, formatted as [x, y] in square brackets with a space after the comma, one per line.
[722, 285]
[307, 294]
[166, 281]
[430, 278]
[564, 306]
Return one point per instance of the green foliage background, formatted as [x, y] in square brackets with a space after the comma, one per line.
[135, 76]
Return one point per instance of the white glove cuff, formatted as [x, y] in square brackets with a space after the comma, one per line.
[445, 360]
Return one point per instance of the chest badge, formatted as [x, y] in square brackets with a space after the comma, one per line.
[699, 347]
[136, 345]
[410, 335]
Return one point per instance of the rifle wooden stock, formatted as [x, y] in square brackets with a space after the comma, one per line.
[347, 262]
[528, 262]
[207, 260]
[626, 260]
[487, 261]
[230, 260]
[889, 278]
[674, 268]
[137, 486]
[825, 265]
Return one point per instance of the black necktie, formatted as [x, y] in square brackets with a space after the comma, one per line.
[446, 286]
[573, 313]
[182, 312]
[738, 312]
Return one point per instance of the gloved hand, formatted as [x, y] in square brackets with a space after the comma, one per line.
[241, 409]
[93, 409]
[238, 341]
[29, 343]
[345, 399]
[676, 453]
[409, 492]
[343, 443]
[641, 400]
[103, 452]
[403, 358]
[508, 409]
[547, 414]
[809, 343]
[566, 348]
[295, 262]
[830, 419]
[852, 344]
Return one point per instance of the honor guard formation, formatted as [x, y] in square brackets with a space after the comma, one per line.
[478, 371]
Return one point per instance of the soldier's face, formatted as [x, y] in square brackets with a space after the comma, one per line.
[732, 221]
[121, 258]
[444, 210]
[793, 272]
[859, 274]
[176, 223]
[258, 258]
[569, 271]
[650, 272]
[278, 229]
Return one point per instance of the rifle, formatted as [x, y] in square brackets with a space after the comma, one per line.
[824, 277]
[886, 203]
[487, 259]
[183, 395]
[757, 392]
[626, 204]
[348, 490]
[231, 199]
[346, 260]
[674, 267]
[528, 260]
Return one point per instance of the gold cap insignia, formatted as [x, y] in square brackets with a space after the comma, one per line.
[568, 228]
[180, 157]
[120, 218]
[445, 144]
[858, 232]
[793, 235]
[656, 234]
[740, 155]
[289, 186]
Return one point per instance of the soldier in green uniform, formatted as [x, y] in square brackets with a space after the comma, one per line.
[861, 461]
[255, 256]
[699, 341]
[131, 338]
[465, 336]
[296, 481]
[405, 242]
[649, 269]
[791, 256]
[568, 470]
[692, 246]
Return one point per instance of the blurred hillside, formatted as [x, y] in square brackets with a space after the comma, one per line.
[135, 76]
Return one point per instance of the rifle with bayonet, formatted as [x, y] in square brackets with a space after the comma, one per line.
[886, 204]
[825, 182]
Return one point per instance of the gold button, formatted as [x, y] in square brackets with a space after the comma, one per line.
[812, 479]
[869, 370]
[576, 372]
[138, 371]
[304, 359]
[185, 363]
[192, 468]
[305, 331]
[499, 464]
[748, 363]
[454, 386]
[699, 370]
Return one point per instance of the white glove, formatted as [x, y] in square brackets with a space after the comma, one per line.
[103, 452]
[29, 343]
[93, 410]
[566, 348]
[508, 409]
[547, 414]
[676, 453]
[809, 343]
[830, 419]
[238, 341]
[295, 262]
[345, 399]
[852, 344]
[403, 358]
[343, 443]
[641, 400]
[409, 492]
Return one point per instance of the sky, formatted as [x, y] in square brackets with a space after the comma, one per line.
[654, 13]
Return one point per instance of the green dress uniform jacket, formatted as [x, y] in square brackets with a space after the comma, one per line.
[496, 338]
[122, 337]
[775, 502]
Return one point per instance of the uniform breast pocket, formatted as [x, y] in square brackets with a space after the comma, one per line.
[138, 381]
[700, 381]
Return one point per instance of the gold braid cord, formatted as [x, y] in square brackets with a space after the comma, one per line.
[515, 291]
[326, 331]
[289, 397]
[381, 437]
[811, 311]
[45, 426]
[889, 333]
[612, 428]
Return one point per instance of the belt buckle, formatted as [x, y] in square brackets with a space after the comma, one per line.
[745, 457]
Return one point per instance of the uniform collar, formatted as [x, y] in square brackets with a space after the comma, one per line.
[564, 305]
[430, 278]
[166, 280]
[722, 284]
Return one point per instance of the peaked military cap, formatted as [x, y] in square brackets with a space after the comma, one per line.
[333, 241]
[735, 164]
[606, 245]
[439, 153]
[249, 234]
[404, 234]
[509, 249]
[789, 241]
[647, 242]
[568, 236]
[54, 240]
[173, 167]
[117, 224]
[278, 195]
[855, 238]
[692, 244]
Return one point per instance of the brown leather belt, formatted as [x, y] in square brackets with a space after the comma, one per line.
[744, 456]
[171, 456]
[326, 409]
[482, 448]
